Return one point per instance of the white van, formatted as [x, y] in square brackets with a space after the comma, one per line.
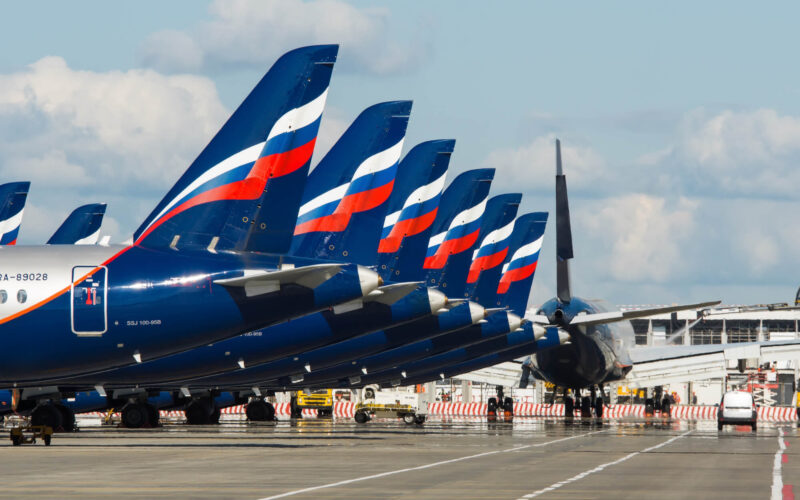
[737, 408]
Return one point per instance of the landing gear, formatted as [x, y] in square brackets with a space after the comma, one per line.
[260, 411]
[491, 409]
[598, 407]
[649, 407]
[569, 406]
[198, 413]
[666, 406]
[135, 416]
[153, 415]
[586, 407]
[67, 418]
[48, 415]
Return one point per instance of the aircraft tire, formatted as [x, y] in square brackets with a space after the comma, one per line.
[214, 417]
[508, 405]
[666, 406]
[196, 414]
[47, 414]
[569, 407]
[153, 415]
[586, 407]
[67, 418]
[134, 416]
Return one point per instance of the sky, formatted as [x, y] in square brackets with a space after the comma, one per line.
[680, 121]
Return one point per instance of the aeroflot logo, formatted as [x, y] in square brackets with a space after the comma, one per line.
[418, 213]
[244, 175]
[9, 229]
[492, 252]
[370, 186]
[521, 266]
[460, 236]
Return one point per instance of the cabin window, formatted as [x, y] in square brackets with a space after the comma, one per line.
[22, 296]
[3, 296]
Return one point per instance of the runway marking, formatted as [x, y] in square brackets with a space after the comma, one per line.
[599, 468]
[779, 492]
[428, 466]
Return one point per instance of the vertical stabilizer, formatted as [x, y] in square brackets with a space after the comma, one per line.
[563, 232]
[82, 227]
[12, 202]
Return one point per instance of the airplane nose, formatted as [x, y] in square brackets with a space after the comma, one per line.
[436, 299]
[369, 280]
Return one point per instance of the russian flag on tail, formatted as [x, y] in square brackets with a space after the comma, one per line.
[12, 203]
[522, 263]
[460, 236]
[270, 136]
[493, 249]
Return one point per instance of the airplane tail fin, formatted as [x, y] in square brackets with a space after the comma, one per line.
[12, 202]
[345, 200]
[492, 252]
[526, 242]
[82, 227]
[457, 226]
[563, 232]
[413, 207]
[243, 190]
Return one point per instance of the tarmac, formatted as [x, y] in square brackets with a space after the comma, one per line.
[459, 458]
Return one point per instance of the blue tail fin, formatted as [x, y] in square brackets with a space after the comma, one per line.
[487, 261]
[526, 242]
[243, 190]
[413, 207]
[345, 200]
[12, 203]
[456, 232]
[82, 227]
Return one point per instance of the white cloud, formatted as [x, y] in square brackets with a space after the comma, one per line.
[532, 166]
[81, 134]
[254, 33]
[638, 237]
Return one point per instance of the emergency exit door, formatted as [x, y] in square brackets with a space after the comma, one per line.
[89, 309]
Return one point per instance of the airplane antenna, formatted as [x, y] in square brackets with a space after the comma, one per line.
[563, 232]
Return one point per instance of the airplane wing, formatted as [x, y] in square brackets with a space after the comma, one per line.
[261, 281]
[683, 363]
[614, 316]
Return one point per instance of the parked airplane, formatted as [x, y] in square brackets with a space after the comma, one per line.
[12, 199]
[81, 227]
[195, 272]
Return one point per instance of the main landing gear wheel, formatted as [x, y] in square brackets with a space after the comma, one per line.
[135, 416]
[666, 405]
[47, 414]
[649, 407]
[491, 409]
[598, 407]
[508, 405]
[153, 415]
[260, 411]
[196, 413]
[569, 407]
[294, 410]
[67, 418]
[586, 407]
[361, 417]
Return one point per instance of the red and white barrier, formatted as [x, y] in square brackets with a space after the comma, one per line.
[346, 409]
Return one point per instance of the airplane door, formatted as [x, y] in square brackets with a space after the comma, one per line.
[89, 309]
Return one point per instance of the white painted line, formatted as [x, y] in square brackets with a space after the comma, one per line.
[599, 468]
[428, 466]
[777, 475]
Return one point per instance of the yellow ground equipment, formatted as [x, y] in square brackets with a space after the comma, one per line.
[28, 434]
[320, 400]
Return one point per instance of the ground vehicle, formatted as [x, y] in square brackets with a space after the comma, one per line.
[319, 399]
[737, 408]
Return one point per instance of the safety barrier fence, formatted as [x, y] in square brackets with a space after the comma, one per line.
[346, 409]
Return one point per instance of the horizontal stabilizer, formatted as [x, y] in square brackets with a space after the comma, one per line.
[261, 281]
[615, 316]
[389, 294]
